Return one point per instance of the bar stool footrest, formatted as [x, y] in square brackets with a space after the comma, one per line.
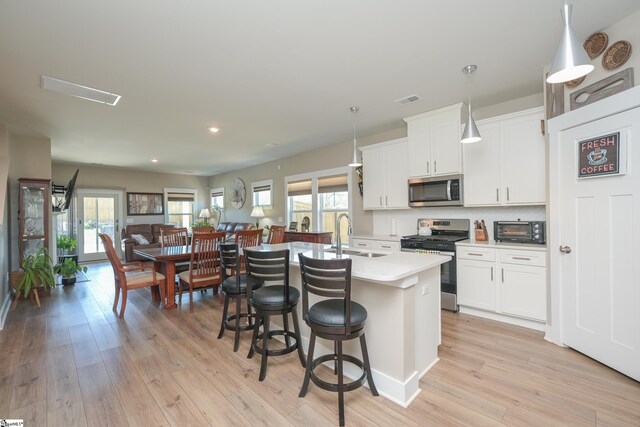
[276, 352]
[230, 324]
[333, 386]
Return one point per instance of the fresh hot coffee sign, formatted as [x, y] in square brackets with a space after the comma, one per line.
[599, 156]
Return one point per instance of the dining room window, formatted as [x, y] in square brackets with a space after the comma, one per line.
[299, 204]
[181, 204]
[317, 199]
[333, 200]
[262, 193]
[217, 198]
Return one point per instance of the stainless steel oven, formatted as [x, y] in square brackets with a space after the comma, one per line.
[441, 241]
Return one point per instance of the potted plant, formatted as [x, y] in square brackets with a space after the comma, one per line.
[66, 248]
[37, 271]
[68, 270]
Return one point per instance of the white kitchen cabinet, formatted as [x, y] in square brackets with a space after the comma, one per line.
[479, 288]
[434, 142]
[385, 175]
[508, 166]
[373, 244]
[505, 281]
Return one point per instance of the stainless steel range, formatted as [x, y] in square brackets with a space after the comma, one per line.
[439, 236]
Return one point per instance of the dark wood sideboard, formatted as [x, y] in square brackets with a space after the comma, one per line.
[308, 236]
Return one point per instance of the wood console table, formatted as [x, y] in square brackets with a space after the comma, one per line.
[309, 236]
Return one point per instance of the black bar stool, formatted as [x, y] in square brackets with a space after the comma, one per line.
[270, 300]
[337, 319]
[235, 287]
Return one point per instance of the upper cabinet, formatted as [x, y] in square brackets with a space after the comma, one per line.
[384, 169]
[434, 142]
[508, 166]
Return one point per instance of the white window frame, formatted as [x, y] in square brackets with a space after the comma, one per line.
[180, 190]
[218, 192]
[261, 184]
[314, 176]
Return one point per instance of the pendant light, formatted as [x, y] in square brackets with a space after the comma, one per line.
[571, 61]
[354, 161]
[470, 133]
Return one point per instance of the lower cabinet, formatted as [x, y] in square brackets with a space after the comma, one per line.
[505, 281]
[370, 244]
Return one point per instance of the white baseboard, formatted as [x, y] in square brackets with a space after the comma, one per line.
[525, 323]
[4, 309]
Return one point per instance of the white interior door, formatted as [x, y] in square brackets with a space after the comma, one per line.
[600, 222]
[98, 212]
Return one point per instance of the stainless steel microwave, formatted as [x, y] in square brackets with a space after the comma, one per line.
[436, 191]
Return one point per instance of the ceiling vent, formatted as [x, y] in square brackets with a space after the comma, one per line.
[408, 99]
[84, 92]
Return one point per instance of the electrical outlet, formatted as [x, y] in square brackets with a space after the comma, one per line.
[280, 219]
[425, 289]
[129, 220]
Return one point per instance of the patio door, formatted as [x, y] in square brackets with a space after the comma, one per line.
[99, 212]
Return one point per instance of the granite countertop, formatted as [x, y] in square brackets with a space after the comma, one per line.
[502, 245]
[387, 269]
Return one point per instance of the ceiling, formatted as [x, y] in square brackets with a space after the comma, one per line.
[279, 72]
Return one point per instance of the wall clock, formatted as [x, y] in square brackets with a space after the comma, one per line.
[238, 193]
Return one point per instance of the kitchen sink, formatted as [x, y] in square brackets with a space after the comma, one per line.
[369, 254]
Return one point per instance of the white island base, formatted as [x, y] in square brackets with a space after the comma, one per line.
[401, 292]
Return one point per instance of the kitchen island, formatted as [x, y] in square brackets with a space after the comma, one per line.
[401, 292]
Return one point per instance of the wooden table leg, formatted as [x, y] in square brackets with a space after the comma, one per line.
[155, 291]
[170, 275]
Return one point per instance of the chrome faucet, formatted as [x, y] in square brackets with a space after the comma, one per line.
[349, 231]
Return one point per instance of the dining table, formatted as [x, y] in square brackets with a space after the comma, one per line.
[164, 261]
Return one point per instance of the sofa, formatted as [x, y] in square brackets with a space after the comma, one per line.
[150, 232]
[232, 227]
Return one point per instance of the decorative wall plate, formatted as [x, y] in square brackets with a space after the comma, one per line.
[575, 82]
[617, 54]
[595, 44]
[238, 193]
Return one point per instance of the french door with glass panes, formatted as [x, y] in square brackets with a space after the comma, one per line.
[98, 212]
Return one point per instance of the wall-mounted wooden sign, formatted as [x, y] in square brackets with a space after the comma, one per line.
[599, 156]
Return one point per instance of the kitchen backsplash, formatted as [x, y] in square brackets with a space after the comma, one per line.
[406, 219]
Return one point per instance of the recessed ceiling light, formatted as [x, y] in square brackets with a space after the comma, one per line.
[271, 144]
[84, 92]
[214, 129]
[154, 160]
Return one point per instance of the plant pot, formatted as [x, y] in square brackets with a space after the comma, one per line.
[71, 280]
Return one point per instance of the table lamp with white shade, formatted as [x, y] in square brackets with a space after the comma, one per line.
[205, 214]
[257, 213]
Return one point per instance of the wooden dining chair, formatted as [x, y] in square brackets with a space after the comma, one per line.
[276, 234]
[174, 236]
[131, 275]
[204, 270]
[247, 239]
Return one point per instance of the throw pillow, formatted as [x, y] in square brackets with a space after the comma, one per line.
[140, 239]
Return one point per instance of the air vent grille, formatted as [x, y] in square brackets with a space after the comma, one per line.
[409, 99]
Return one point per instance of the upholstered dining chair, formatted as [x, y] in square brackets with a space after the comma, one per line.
[204, 269]
[131, 275]
[276, 234]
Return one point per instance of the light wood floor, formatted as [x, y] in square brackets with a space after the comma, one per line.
[74, 363]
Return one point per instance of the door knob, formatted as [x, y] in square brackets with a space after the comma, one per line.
[565, 249]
